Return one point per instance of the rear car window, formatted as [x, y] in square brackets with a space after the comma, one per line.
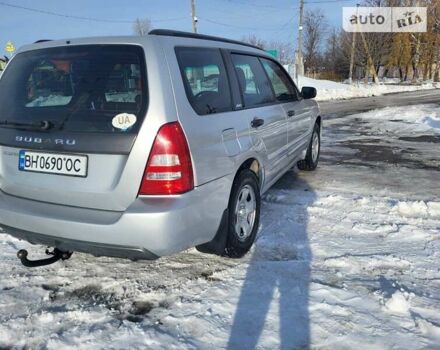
[205, 79]
[76, 88]
[281, 84]
[254, 84]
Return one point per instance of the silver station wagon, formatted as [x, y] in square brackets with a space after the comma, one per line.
[140, 147]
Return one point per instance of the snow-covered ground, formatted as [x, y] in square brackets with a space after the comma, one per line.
[346, 257]
[403, 120]
[330, 90]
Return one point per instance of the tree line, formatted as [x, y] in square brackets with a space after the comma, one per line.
[407, 56]
[327, 51]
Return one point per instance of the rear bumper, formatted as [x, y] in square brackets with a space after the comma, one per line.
[151, 227]
[71, 245]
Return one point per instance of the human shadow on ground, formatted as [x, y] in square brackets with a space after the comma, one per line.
[278, 272]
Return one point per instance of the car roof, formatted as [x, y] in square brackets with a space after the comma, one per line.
[164, 35]
[132, 39]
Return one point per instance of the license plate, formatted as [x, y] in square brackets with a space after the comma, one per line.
[53, 163]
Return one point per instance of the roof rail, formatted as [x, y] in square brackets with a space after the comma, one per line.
[42, 41]
[177, 33]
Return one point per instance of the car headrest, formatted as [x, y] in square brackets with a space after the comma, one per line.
[241, 79]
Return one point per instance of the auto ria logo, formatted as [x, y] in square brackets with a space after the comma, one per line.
[384, 19]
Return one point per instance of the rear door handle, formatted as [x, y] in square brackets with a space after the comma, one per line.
[256, 122]
[291, 113]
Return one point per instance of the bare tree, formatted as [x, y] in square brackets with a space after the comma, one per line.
[285, 51]
[141, 26]
[254, 40]
[336, 57]
[315, 25]
[411, 56]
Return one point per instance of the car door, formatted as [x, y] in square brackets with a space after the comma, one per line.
[268, 121]
[297, 112]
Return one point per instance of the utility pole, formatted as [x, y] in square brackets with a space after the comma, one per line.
[193, 16]
[353, 48]
[299, 64]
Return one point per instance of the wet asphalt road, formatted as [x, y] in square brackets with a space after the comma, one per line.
[353, 141]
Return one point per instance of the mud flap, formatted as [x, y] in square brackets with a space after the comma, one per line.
[218, 244]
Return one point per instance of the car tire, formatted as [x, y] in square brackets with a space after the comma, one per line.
[313, 151]
[244, 214]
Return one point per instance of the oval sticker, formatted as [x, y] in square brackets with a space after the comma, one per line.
[124, 121]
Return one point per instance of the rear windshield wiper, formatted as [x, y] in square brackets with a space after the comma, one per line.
[42, 125]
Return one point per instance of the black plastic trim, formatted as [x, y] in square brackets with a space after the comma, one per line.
[218, 244]
[102, 143]
[72, 245]
[180, 34]
[233, 81]
[42, 41]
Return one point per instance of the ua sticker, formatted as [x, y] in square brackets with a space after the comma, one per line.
[124, 121]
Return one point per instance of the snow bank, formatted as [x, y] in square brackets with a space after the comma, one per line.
[405, 120]
[330, 90]
[418, 209]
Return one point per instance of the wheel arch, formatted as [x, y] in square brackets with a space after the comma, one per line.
[254, 165]
[218, 244]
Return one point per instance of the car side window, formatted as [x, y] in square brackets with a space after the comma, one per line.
[205, 79]
[253, 82]
[281, 84]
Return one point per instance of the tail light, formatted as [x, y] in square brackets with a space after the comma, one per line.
[169, 168]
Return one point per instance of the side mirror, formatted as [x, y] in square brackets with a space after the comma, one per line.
[308, 92]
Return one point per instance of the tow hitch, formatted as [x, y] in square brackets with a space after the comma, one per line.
[56, 255]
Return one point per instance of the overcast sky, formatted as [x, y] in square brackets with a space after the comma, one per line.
[271, 20]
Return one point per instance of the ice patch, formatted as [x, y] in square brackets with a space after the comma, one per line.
[356, 263]
[433, 121]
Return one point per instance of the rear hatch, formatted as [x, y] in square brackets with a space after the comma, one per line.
[69, 117]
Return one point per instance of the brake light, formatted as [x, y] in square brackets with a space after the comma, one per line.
[169, 168]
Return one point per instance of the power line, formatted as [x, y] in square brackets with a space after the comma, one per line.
[91, 19]
[326, 1]
[239, 27]
[259, 5]
[285, 25]
[283, 8]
